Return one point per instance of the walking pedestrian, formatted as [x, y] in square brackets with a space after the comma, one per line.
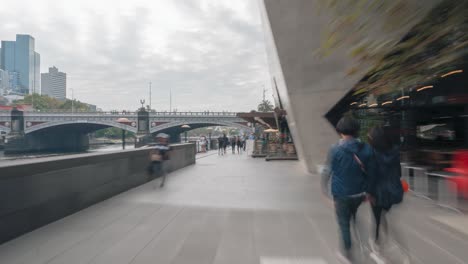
[220, 145]
[385, 189]
[239, 144]
[159, 155]
[226, 143]
[203, 143]
[346, 172]
[233, 144]
[244, 143]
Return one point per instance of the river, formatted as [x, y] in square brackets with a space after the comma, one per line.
[93, 149]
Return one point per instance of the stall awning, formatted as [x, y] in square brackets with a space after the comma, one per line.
[267, 119]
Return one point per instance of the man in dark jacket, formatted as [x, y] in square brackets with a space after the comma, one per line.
[346, 169]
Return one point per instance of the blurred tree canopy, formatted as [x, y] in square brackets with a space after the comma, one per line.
[44, 102]
[112, 132]
[265, 106]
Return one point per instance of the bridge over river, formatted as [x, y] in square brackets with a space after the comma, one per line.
[49, 130]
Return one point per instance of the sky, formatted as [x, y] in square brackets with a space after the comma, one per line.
[210, 53]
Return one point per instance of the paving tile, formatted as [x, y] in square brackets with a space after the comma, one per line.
[223, 210]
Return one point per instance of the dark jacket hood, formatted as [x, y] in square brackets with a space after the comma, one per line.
[351, 145]
[388, 157]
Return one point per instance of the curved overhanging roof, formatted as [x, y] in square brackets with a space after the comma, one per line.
[435, 47]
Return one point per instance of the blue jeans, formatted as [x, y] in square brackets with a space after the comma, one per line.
[346, 209]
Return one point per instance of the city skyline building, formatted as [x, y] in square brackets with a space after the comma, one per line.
[20, 56]
[37, 73]
[4, 82]
[54, 83]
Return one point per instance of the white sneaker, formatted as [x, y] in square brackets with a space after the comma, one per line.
[342, 258]
[374, 247]
[377, 258]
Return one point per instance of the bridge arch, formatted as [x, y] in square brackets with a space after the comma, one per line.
[103, 123]
[207, 123]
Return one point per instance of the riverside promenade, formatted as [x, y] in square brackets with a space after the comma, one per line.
[227, 209]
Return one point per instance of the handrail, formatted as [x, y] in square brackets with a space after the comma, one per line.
[207, 113]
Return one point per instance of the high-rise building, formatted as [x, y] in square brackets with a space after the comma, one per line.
[8, 55]
[14, 81]
[19, 56]
[54, 83]
[37, 73]
[4, 82]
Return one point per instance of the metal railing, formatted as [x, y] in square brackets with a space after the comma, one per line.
[120, 113]
[434, 185]
[193, 113]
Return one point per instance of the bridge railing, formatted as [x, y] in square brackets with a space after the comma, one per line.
[207, 113]
[69, 112]
[126, 113]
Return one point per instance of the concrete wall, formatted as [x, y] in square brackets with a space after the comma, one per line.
[35, 193]
[309, 82]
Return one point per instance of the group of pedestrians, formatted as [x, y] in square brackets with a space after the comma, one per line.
[238, 142]
[357, 172]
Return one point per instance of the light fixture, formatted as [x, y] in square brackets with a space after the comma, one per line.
[425, 88]
[373, 105]
[353, 103]
[450, 73]
[387, 102]
[403, 97]
[362, 105]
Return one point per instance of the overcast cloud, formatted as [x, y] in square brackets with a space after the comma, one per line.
[210, 52]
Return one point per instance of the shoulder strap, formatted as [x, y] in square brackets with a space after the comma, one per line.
[361, 165]
[357, 159]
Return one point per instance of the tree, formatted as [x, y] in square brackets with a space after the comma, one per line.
[112, 132]
[44, 102]
[265, 106]
[3, 101]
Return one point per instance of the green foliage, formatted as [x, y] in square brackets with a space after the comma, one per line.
[44, 102]
[112, 132]
[3, 101]
[265, 106]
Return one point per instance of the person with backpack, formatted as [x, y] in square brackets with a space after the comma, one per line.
[346, 173]
[159, 154]
[384, 185]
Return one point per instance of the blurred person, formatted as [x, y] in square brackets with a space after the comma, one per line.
[346, 173]
[460, 168]
[220, 145]
[244, 142]
[239, 144]
[384, 185]
[225, 143]
[159, 154]
[203, 144]
[233, 144]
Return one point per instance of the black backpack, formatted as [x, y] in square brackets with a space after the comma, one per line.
[389, 190]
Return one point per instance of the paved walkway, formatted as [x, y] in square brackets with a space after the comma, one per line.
[230, 209]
